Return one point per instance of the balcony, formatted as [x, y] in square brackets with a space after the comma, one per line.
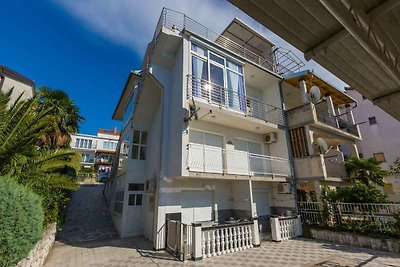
[283, 61]
[233, 163]
[223, 98]
[84, 146]
[310, 114]
[320, 167]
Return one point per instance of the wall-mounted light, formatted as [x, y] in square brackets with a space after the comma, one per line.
[229, 142]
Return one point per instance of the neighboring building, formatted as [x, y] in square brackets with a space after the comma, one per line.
[329, 123]
[204, 137]
[98, 151]
[10, 79]
[380, 133]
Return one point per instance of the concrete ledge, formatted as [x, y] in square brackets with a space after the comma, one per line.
[391, 245]
[38, 254]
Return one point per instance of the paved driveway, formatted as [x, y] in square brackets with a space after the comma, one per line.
[89, 239]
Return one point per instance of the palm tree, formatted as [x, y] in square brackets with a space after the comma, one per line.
[367, 171]
[64, 117]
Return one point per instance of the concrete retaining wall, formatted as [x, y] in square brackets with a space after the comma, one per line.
[38, 254]
[391, 245]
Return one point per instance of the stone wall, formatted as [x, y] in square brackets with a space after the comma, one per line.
[38, 254]
[391, 245]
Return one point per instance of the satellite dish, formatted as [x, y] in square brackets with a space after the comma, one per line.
[315, 94]
[323, 146]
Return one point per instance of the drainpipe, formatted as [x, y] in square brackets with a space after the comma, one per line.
[289, 144]
[156, 245]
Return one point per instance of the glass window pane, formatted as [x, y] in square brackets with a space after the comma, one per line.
[234, 67]
[139, 199]
[198, 50]
[143, 139]
[142, 153]
[118, 207]
[135, 152]
[217, 59]
[136, 137]
[131, 201]
[135, 187]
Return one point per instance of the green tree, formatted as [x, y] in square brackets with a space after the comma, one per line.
[359, 193]
[395, 168]
[64, 117]
[366, 171]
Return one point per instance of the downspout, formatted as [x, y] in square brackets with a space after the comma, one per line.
[289, 144]
[160, 176]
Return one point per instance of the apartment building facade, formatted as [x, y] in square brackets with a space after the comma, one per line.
[380, 139]
[97, 151]
[204, 136]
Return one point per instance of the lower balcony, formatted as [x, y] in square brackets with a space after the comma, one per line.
[319, 167]
[212, 162]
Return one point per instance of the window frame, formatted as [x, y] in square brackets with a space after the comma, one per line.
[139, 145]
[380, 154]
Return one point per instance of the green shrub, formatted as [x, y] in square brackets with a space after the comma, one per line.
[359, 193]
[21, 221]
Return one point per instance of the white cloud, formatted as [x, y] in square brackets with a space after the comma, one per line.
[131, 23]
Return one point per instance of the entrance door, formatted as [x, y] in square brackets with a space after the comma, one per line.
[261, 198]
[206, 153]
[196, 206]
[135, 209]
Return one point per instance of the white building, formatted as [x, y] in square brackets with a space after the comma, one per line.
[98, 151]
[204, 136]
[21, 85]
[380, 133]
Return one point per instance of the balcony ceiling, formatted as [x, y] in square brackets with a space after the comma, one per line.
[358, 41]
[339, 98]
[240, 33]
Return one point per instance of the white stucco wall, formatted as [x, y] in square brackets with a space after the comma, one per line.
[18, 89]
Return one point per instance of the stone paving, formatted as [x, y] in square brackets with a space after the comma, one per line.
[87, 218]
[89, 239]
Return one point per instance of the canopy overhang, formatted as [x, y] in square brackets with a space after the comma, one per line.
[358, 41]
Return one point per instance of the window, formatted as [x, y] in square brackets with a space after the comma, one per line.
[86, 158]
[109, 145]
[118, 201]
[222, 73]
[130, 106]
[139, 144]
[136, 187]
[135, 199]
[380, 157]
[372, 120]
[83, 143]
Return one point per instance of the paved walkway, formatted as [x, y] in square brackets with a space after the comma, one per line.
[89, 239]
[87, 218]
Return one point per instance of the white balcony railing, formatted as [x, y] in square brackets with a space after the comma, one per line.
[223, 97]
[209, 159]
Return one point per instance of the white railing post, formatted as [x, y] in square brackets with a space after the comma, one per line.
[208, 244]
[223, 251]
[197, 246]
[299, 227]
[275, 229]
[255, 233]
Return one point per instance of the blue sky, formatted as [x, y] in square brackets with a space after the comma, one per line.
[88, 47]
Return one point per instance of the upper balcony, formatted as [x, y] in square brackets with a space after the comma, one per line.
[243, 42]
[311, 114]
[222, 103]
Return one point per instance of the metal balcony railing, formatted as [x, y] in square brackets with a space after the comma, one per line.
[336, 122]
[208, 159]
[285, 61]
[305, 115]
[223, 97]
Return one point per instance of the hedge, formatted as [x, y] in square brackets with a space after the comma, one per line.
[21, 221]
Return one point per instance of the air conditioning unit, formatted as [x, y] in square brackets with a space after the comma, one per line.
[284, 188]
[270, 138]
[151, 185]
